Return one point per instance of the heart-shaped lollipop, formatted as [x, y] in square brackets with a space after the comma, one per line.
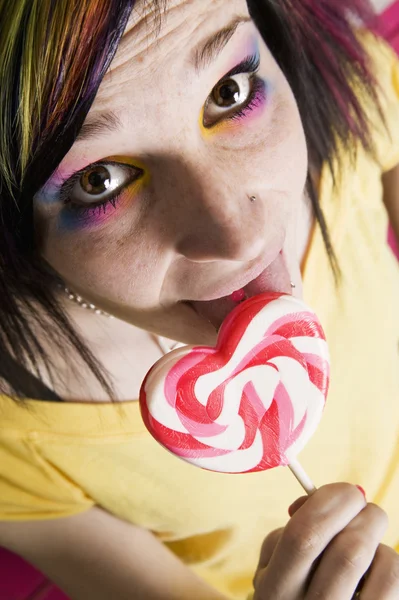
[251, 403]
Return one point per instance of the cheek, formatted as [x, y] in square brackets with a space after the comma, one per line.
[278, 158]
[285, 153]
[120, 270]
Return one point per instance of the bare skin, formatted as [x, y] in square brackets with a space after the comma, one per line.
[188, 232]
[328, 544]
[189, 229]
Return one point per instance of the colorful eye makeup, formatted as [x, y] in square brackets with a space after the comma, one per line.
[122, 184]
[90, 197]
[92, 216]
[243, 88]
[236, 94]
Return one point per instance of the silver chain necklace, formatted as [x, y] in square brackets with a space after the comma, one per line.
[76, 299]
[84, 304]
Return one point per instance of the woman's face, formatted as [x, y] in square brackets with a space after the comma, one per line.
[150, 216]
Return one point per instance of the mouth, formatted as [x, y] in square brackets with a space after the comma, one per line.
[275, 278]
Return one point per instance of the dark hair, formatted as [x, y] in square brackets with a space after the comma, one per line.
[318, 48]
[41, 46]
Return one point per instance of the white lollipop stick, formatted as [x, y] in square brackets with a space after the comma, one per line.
[302, 477]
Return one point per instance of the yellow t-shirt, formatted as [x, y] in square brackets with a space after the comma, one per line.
[59, 459]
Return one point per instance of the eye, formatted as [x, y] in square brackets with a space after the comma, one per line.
[233, 93]
[97, 184]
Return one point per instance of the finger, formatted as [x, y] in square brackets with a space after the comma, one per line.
[349, 556]
[270, 543]
[268, 547]
[325, 514]
[383, 579]
[295, 506]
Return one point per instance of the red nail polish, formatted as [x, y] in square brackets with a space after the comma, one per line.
[359, 487]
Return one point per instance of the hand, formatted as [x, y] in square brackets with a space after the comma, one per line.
[331, 541]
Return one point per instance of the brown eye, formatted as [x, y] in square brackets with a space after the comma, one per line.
[226, 93]
[228, 96]
[96, 180]
[99, 183]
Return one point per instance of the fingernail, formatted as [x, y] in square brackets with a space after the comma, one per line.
[359, 487]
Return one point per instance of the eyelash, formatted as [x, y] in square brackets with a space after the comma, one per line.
[101, 207]
[249, 65]
[258, 87]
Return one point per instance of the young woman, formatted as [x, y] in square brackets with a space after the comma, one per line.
[156, 157]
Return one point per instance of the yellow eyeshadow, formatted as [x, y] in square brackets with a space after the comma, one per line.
[144, 180]
[221, 127]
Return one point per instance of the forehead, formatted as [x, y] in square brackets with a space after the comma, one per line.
[155, 60]
[166, 30]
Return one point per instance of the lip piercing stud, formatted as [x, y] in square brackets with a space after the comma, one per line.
[293, 285]
[252, 198]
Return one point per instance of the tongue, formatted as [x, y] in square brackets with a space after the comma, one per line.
[274, 279]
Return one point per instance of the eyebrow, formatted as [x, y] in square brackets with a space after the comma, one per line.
[96, 126]
[213, 46]
[203, 56]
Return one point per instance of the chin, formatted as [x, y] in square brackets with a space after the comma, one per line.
[180, 323]
[189, 328]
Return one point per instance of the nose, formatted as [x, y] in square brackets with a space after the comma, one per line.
[215, 224]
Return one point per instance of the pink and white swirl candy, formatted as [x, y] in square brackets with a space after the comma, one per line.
[251, 403]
